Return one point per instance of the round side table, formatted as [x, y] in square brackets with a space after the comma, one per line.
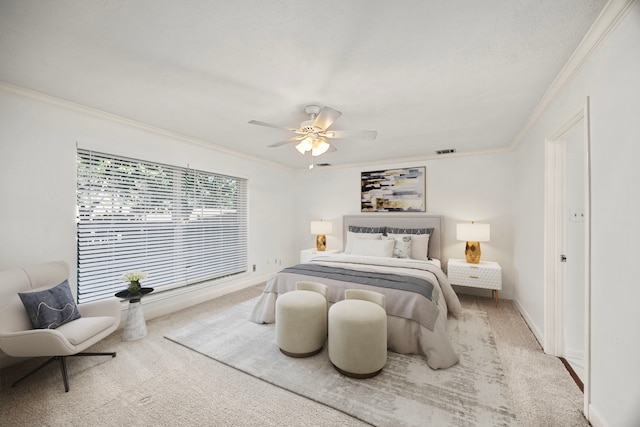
[135, 327]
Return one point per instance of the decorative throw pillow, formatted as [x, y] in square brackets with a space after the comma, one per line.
[415, 231]
[51, 307]
[419, 245]
[358, 229]
[402, 246]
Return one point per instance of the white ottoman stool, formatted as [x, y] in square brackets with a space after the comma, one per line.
[301, 319]
[358, 334]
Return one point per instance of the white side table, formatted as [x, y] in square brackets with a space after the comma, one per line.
[484, 275]
[307, 255]
[135, 326]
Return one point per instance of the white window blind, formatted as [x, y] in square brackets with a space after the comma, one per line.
[180, 226]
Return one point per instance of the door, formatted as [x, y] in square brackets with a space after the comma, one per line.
[573, 265]
[567, 252]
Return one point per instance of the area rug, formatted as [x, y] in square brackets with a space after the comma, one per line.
[406, 393]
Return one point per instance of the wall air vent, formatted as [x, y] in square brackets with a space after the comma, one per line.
[446, 151]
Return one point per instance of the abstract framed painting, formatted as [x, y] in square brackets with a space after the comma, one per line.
[394, 190]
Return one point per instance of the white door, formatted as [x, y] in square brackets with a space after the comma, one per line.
[567, 231]
[574, 248]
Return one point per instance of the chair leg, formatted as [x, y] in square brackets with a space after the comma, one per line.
[65, 377]
[63, 367]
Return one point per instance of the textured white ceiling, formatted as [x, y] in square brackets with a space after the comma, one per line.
[425, 74]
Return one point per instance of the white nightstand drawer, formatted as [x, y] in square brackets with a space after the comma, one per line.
[485, 275]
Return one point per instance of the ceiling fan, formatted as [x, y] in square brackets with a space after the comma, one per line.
[313, 134]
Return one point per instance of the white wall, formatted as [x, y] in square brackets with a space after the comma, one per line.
[462, 189]
[38, 184]
[610, 79]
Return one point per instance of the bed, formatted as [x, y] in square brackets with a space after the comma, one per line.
[391, 255]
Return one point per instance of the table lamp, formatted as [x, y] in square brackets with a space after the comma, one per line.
[473, 234]
[321, 229]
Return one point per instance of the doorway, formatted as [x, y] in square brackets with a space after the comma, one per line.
[567, 245]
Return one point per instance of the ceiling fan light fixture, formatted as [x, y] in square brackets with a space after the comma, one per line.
[312, 136]
[304, 146]
[320, 146]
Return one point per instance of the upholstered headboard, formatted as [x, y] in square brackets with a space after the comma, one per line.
[400, 221]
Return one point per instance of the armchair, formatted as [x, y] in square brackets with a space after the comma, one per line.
[18, 338]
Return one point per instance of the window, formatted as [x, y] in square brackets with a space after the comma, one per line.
[180, 226]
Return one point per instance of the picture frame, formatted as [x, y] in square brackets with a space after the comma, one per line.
[394, 190]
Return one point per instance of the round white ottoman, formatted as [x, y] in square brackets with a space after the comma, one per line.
[358, 338]
[301, 323]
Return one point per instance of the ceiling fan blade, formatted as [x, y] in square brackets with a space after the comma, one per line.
[351, 134]
[271, 125]
[326, 117]
[288, 141]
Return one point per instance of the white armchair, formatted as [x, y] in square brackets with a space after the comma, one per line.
[18, 338]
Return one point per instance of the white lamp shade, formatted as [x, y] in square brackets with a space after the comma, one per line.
[321, 227]
[319, 147]
[473, 232]
[304, 145]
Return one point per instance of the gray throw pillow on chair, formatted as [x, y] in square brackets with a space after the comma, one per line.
[51, 307]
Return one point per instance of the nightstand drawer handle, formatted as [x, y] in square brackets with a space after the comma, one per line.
[473, 277]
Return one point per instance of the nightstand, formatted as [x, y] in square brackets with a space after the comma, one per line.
[307, 255]
[484, 275]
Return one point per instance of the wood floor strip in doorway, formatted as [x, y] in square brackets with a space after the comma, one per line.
[573, 374]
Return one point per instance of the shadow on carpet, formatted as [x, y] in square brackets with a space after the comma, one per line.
[406, 393]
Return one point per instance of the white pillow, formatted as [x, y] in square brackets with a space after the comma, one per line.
[352, 237]
[419, 245]
[373, 247]
[402, 246]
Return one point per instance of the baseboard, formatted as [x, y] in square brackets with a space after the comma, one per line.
[595, 419]
[529, 321]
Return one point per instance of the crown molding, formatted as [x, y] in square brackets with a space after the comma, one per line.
[21, 92]
[610, 17]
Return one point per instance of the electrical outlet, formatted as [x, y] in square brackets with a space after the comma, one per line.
[254, 267]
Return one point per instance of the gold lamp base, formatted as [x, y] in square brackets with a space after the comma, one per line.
[472, 252]
[321, 242]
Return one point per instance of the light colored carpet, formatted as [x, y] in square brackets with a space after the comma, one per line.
[154, 382]
[406, 393]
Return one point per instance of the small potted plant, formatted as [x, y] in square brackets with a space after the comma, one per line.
[134, 277]
[135, 289]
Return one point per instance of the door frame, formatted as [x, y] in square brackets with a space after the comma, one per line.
[554, 234]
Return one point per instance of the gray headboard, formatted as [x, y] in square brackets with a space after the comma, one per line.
[403, 221]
